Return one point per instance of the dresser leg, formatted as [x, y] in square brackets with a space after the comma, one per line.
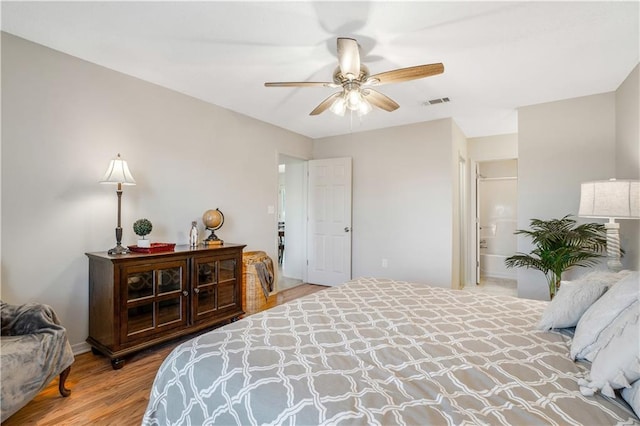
[117, 363]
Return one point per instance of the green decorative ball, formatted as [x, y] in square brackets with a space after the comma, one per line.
[142, 227]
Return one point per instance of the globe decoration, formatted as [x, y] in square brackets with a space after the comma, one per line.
[213, 220]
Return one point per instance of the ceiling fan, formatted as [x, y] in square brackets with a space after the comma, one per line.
[356, 83]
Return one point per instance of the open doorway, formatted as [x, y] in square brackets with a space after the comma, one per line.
[292, 201]
[496, 209]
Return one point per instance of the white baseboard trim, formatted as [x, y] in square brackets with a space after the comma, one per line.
[80, 348]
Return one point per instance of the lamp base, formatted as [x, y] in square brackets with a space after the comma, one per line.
[119, 249]
[613, 246]
[614, 265]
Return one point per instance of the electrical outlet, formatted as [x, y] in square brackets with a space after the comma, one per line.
[385, 263]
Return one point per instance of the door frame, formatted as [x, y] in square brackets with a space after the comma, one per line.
[463, 214]
[305, 202]
[475, 258]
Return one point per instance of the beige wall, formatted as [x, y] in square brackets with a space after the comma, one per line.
[627, 127]
[402, 200]
[63, 119]
[628, 157]
[496, 147]
[561, 144]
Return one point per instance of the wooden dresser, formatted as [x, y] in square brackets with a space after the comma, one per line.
[138, 300]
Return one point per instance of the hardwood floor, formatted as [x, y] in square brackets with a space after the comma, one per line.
[103, 396]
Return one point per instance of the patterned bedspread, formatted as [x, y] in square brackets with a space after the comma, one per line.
[380, 352]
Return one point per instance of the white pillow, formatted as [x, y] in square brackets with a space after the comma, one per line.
[632, 396]
[601, 314]
[617, 363]
[571, 301]
[604, 276]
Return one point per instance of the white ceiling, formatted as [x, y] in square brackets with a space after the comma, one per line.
[498, 56]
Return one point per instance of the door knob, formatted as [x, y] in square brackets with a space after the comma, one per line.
[346, 229]
[196, 290]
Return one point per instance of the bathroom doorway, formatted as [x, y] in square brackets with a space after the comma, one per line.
[292, 204]
[496, 198]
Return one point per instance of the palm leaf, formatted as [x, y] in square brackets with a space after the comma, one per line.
[521, 260]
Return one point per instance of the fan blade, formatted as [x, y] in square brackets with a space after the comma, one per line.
[301, 84]
[324, 105]
[381, 101]
[406, 74]
[349, 57]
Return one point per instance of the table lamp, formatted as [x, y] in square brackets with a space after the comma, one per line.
[611, 199]
[118, 173]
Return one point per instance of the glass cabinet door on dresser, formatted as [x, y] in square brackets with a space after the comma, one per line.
[215, 286]
[154, 299]
[228, 297]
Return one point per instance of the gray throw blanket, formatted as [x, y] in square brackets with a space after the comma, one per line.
[34, 349]
[264, 270]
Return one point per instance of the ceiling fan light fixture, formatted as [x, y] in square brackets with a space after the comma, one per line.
[354, 99]
[364, 108]
[339, 106]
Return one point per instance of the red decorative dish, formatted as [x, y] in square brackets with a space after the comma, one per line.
[155, 248]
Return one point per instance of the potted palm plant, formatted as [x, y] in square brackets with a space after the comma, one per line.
[142, 227]
[559, 246]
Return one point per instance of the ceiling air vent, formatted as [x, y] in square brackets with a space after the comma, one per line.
[436, 101]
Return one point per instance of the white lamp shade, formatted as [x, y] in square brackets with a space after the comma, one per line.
[616, 199]
[118, 172]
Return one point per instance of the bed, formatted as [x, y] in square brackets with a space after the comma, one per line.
[375, 351]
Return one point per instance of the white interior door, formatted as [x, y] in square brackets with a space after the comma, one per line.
[329, 221]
